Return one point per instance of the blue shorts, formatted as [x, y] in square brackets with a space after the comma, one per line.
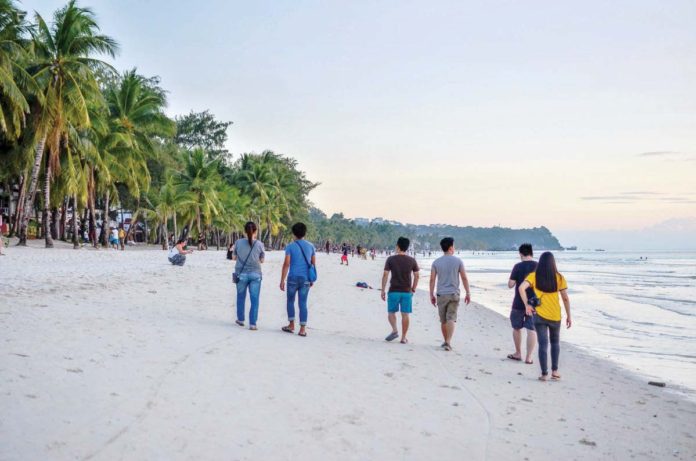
[400, 301]
[519, 319]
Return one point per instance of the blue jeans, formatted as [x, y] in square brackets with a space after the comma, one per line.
[297, 286]
[548, 331]
[251, 281]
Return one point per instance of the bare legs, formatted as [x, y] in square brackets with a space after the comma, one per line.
[531, 342]
[447, 331]
[405, 321]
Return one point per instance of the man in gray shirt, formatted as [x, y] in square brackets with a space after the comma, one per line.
[446, 271]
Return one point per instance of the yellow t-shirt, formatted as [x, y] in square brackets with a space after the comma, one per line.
[550, 307]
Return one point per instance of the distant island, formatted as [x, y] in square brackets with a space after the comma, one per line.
[381, 233]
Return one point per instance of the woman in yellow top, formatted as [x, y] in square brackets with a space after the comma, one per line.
[547, 283]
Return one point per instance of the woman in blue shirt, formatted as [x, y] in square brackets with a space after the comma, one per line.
[299, 255]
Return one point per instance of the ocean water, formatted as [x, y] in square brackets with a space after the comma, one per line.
[637, 309]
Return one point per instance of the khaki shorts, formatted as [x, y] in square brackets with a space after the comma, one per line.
[448, 305]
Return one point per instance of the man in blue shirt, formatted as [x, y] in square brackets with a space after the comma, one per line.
[299, 255]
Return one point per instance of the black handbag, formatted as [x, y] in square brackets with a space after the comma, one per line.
[235, 275]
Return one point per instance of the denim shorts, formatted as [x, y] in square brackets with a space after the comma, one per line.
[519, 319]
[398, 300]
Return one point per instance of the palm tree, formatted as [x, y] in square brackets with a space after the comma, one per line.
[14, 79]
[201, 178]
[136, 117]
[65, 70]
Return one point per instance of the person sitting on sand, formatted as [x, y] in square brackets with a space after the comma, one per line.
[547, 283]
[177, 254]
[299, 256]
[446, 271]
[401, 288]
[249, 254]
[518, 315]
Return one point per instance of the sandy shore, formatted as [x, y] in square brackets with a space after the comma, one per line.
[119, 355]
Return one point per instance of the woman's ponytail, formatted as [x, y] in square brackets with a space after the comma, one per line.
[249, 229]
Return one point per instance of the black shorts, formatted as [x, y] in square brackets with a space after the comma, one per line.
[519, 319]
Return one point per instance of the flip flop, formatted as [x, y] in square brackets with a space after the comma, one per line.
[447, 347]
[392, 336]
[531, 362]
[239, 322]
[555, 377]
[404, 341]
[543, 378]
[512, 357]
[302, 334]
[253, 328]
[287, 330]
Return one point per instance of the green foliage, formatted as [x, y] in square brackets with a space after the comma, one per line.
[201, 130]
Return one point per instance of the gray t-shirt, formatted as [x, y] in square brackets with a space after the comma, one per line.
[241, 250]
[447, 268]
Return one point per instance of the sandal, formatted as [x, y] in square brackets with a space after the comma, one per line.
[512, 357]
[531, 362]
[555, 376]
[288, 330]
[239, 322]
[302, 334]
[404, 341]
[543, 378]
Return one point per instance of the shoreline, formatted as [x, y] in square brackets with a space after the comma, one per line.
[139, 359]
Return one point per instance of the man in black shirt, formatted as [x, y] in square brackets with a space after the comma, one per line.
[518, 316]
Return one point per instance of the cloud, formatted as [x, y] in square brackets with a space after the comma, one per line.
[659, 153]
[671, 155]
[640, 196]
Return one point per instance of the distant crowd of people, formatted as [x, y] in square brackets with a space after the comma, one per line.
[536, 306]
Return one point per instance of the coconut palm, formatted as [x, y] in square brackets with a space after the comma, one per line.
[15, 81]
[201, 178]
[65, 70]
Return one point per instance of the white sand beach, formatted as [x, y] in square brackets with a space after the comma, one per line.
[110, 355]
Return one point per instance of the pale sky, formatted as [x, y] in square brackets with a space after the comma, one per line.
[574, 115]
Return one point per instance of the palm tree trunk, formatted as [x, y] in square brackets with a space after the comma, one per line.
[20, 203]
[29, 199]
[55, 221]
[164, 234]
[105, 221]
[64, 219]
[75, 237]
[46, 218]
[176, 231]
[217, 239]
[92, 222]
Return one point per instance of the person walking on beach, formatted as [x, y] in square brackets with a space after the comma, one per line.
[122, 237]
[547, 283]
[446, 271]
[249, 254]
[401, 288]
[344, 256]
[518, 315]
[300, 261]
[177, 254]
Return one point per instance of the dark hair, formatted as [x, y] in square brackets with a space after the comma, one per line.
[526, 249]
[403, 243]
[299, 230]
[249, 229]
[181, 241]
[446, 243]
[546, 273]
